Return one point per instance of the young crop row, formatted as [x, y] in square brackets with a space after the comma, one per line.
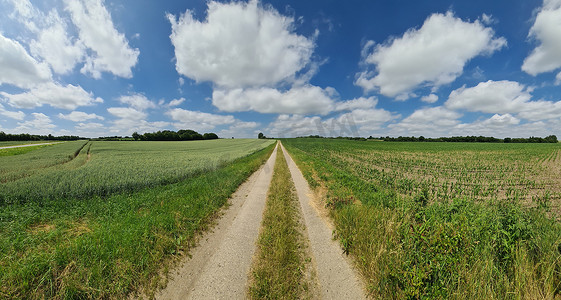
[82, 169]
[442, 220]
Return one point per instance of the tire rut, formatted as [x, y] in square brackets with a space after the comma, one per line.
[337, 277]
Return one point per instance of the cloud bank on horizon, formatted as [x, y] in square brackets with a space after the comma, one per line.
[99, 68]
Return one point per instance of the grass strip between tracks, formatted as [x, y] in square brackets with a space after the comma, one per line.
[279, 267]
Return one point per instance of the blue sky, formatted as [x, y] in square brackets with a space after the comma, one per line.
[285, 68]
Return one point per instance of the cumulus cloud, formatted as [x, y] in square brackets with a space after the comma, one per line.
[78, 116]
[430, 122]
[432, 55]
[490, 97]
[56, 47]
[18, 68]
[16, 115]
[137, 101]
[306, 99]
[432, 98]
[546, 56]
[240, 129]
[40, 124]
[363, 120]
[111, 50]
[503, 97]
[196, 120]
[56, 95]
[176, 102]
[357, 103]
[127, 113]
[239, 45]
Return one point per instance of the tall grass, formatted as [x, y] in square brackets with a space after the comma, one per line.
[279, 266]
[417, 245]
[110, 247]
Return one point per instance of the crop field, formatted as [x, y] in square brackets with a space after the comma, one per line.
[83, 169]
[103, 219]
[443, 220]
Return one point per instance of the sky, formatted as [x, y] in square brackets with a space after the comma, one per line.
[286, 68]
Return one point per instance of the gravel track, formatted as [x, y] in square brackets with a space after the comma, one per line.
[337, 278]
[219, 266]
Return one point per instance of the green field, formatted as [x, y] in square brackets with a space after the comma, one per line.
[443, 220]
[103, 219]
[83, 169]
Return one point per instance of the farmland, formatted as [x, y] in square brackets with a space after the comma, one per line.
[442, 220]
[102, 219]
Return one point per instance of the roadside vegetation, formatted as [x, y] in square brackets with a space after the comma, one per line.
[447, 221]
[107, 245]
[279, 266]
[20, 150]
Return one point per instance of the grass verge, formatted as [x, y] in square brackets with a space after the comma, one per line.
[411, 248]
[20, 150]
[110, 247]
[279, 266]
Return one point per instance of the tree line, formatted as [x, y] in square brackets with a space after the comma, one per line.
[471, 139]
[33, 137]
[460, 139]
[169, 135]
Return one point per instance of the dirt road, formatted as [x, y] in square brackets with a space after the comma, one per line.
[28, 145]
[219, 266]
[337, 277]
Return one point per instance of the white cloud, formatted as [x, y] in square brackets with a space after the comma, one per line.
[363, 120]
[546, 56]
[240, 129]
[503, 97]
[130, 120]
[306, 99]
[432, 98]
[198, 121]
[490, 97]
[53, 94]
[429, 122]
[176, 102]
[127, 113]
[357, 103]
[239, 45]
[40, 124]
[18, 68]
[111, 50]
[55, 47]
[487, 19]
[16, 115]
[432, 55]
[78, 116]
[294, 125]
[137, 101]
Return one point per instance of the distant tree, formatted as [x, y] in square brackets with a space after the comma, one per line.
[261, 136]
[136, 136]
[551, 139]
[507, 140]
[210, 136]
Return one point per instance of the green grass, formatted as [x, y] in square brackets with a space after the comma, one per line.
[80, 170]
[411, 241]
[278, 270]
[20, 150]
[108, 247]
